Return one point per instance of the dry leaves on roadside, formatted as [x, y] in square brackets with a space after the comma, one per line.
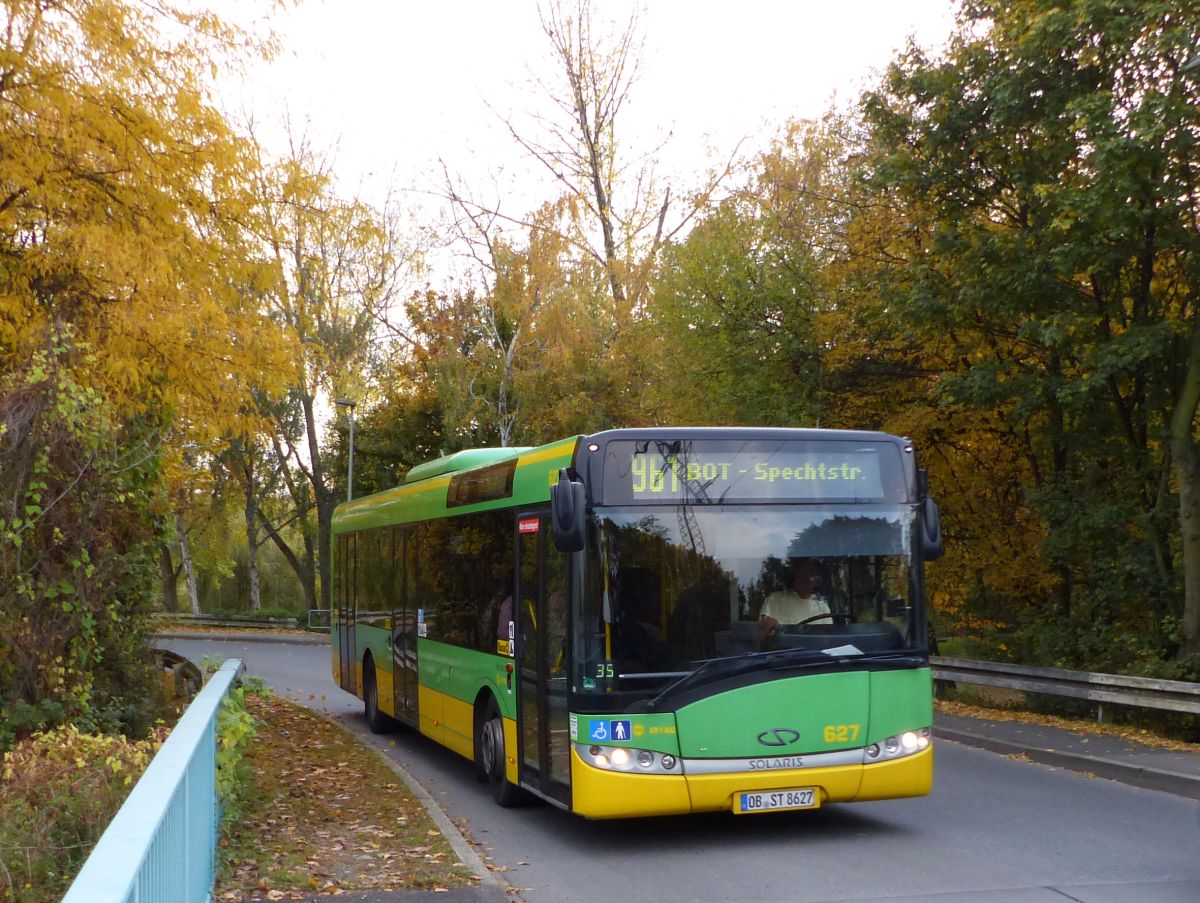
[324, 816]
[1123, 731]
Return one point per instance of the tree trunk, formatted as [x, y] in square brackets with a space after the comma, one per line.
[185, 554]
[166, 569]
[1185, 458]
[326, 502]
[252, 567]
[302, 569]
[252, 528]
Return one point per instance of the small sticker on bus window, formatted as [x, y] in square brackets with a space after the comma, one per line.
[529, 525]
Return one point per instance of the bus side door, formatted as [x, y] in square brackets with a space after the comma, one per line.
[347, 613]
[404, 631]
[543, 730]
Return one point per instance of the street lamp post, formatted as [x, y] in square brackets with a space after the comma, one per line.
[347, 403]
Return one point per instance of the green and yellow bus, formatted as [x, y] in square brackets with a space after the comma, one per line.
[614, 623]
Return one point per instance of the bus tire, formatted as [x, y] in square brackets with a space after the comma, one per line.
[492, 758]
[377, 721]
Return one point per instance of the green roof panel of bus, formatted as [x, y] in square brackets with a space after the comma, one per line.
[422, 495]
[463, 460]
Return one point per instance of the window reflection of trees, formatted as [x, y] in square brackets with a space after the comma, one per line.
[467, 563]
[669, 600]
[665, 592]
[452, 569]
[371, 573]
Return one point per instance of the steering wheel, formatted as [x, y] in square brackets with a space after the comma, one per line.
[836, 617]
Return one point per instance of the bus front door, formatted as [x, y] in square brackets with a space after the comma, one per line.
[542, 719]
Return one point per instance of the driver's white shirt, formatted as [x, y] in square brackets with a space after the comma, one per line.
[788, 607]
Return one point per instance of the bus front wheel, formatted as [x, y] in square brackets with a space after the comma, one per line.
[492, 758]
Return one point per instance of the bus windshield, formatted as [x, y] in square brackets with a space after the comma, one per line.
[671, 588]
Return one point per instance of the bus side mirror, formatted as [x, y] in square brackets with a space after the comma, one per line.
[931, 530]
[567, 503]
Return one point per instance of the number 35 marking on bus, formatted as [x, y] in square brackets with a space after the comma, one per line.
[841, 733]
[604, 669]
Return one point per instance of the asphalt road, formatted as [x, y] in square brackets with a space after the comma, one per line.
[994, 830]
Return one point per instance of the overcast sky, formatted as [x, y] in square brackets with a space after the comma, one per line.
[397, 85]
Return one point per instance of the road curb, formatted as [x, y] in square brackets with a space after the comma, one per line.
[461, 846]
[1136, 775]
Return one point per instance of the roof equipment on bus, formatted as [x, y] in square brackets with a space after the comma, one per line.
[463, 460]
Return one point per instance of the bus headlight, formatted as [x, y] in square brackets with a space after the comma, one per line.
[620, 758]
[898, 745]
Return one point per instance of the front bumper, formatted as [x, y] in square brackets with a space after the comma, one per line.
[598, 793]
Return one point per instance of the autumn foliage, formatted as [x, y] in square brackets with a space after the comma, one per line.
[994, 253]
[60, 790]
[127, 328]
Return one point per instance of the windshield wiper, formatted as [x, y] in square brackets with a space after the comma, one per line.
[730, 665]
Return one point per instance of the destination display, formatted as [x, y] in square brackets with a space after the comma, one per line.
[757, 471]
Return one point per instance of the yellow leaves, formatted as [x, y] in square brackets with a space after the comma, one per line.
[125, 209]
[69, 747]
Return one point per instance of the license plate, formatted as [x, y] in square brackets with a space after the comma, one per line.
[775, 800]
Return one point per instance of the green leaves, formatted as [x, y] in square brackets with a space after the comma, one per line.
[1046, 166]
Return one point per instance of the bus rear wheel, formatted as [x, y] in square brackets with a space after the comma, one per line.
[377, 721]
[492, 758]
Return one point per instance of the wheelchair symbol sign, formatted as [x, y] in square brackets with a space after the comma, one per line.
[599, 731]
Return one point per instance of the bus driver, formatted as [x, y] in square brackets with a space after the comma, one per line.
[804, 600]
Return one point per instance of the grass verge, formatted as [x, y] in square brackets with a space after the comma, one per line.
[322, 814]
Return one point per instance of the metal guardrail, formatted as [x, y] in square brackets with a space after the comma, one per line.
[161, 844]
[227, 621]
[1142, 692]
[320, 619]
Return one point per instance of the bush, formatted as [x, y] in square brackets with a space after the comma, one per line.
[236, 727]
[298, 616]
[77, 552]
[59, 790]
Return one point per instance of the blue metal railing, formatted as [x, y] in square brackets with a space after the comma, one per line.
[161, 845]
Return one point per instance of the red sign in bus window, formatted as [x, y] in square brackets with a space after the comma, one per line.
[529, 525]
